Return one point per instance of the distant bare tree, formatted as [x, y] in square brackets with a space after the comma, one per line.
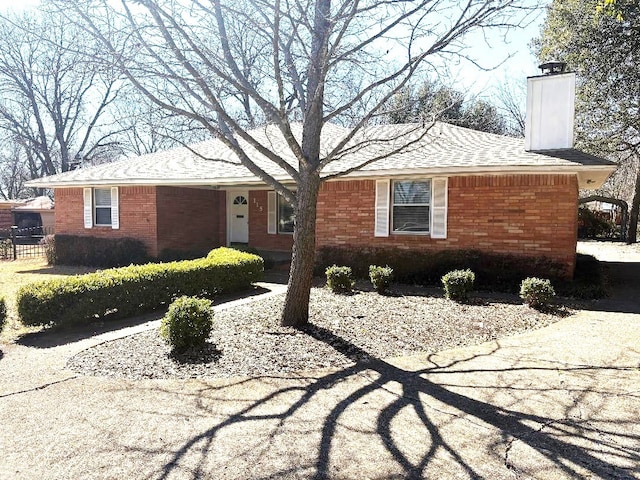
[233, 65]
[52, 99]
[510, 98]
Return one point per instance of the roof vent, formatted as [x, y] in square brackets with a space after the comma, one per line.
[553, 67]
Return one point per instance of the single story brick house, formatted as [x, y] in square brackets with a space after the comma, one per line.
[453, 189]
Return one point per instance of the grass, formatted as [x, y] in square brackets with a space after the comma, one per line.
[14, 274]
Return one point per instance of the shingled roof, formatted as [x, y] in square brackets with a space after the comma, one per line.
[443, 149]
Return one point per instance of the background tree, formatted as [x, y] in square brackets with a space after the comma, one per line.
[52, 99]
[600, 41]
[432, 102]
[231, 66]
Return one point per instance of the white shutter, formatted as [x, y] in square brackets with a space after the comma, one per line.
[382, 208]
[439, 207]
[272, 218]
[115, 209]
[88, 207]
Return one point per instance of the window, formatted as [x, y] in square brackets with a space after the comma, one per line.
[410, 206]
[280, 217]
[102, 206]
[286, 217]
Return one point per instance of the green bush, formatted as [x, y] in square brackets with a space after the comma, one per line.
[339, 279]
[97, 252]
[381, 277]
[493, 271]
[537, 292]
[6, 249]
[458, 284]
[3, 313]
[187, 323]
[128, 291]
[49, 242]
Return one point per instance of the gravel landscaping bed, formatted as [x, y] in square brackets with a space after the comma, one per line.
[247, 340]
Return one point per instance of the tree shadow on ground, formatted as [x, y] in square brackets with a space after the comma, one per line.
[573, 447]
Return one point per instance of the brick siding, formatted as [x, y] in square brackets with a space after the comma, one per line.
[529, 215]
[258, 236]
[137, 215]
[189, 218]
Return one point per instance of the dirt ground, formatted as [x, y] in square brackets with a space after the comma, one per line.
[560, 402]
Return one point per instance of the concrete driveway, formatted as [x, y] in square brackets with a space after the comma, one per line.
[561, 402]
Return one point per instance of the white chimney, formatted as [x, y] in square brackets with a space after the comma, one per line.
[550, 109]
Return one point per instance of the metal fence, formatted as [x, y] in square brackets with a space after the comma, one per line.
[23, 242]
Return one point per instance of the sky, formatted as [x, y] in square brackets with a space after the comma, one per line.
[508, 61]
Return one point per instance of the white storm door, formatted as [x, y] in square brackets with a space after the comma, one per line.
[239, 215]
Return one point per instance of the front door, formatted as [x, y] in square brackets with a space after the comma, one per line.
[239, 203]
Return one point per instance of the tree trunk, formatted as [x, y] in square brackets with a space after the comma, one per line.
[296, 305]
[632, 233]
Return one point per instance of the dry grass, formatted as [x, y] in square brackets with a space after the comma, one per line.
[13, 275]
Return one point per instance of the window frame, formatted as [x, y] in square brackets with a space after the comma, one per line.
[393, 205]
[104, 207]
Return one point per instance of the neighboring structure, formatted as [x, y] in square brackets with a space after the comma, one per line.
[453, 189]
[32, 213]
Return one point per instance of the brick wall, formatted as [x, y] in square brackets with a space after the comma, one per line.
[6, 218]
[258, 236]
[137, 215]
[530, 215]
[191, 218]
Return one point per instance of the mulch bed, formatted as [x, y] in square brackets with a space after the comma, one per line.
[344, 329]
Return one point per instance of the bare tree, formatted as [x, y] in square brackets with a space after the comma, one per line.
[510, 98]
[51, 98]
[232, 65]
[14, 171]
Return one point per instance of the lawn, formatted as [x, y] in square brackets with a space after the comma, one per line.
[14, 274]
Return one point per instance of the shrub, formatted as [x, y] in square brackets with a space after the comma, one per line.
[3, 313]
[127, 291]
[98, 252]
[49, 242]
[187, 323]
[493, 271]
[339, 279]
[537, 292]
[458, 284]
[381, 277]
[6, 249]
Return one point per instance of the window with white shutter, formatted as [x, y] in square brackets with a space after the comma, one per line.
[411, 207]
[101, 207]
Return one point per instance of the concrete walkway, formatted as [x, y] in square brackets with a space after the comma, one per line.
[561, 402]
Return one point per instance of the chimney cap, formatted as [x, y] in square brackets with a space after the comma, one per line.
[553, 67]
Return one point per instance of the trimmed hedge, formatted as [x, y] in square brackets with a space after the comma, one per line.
[95, 252]
[493, 271]
[128, 291]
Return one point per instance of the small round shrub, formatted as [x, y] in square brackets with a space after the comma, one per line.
[381, 277]
[188, 323]
[3, 313]
[340, 279]
[537, 292]
[458, 284]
